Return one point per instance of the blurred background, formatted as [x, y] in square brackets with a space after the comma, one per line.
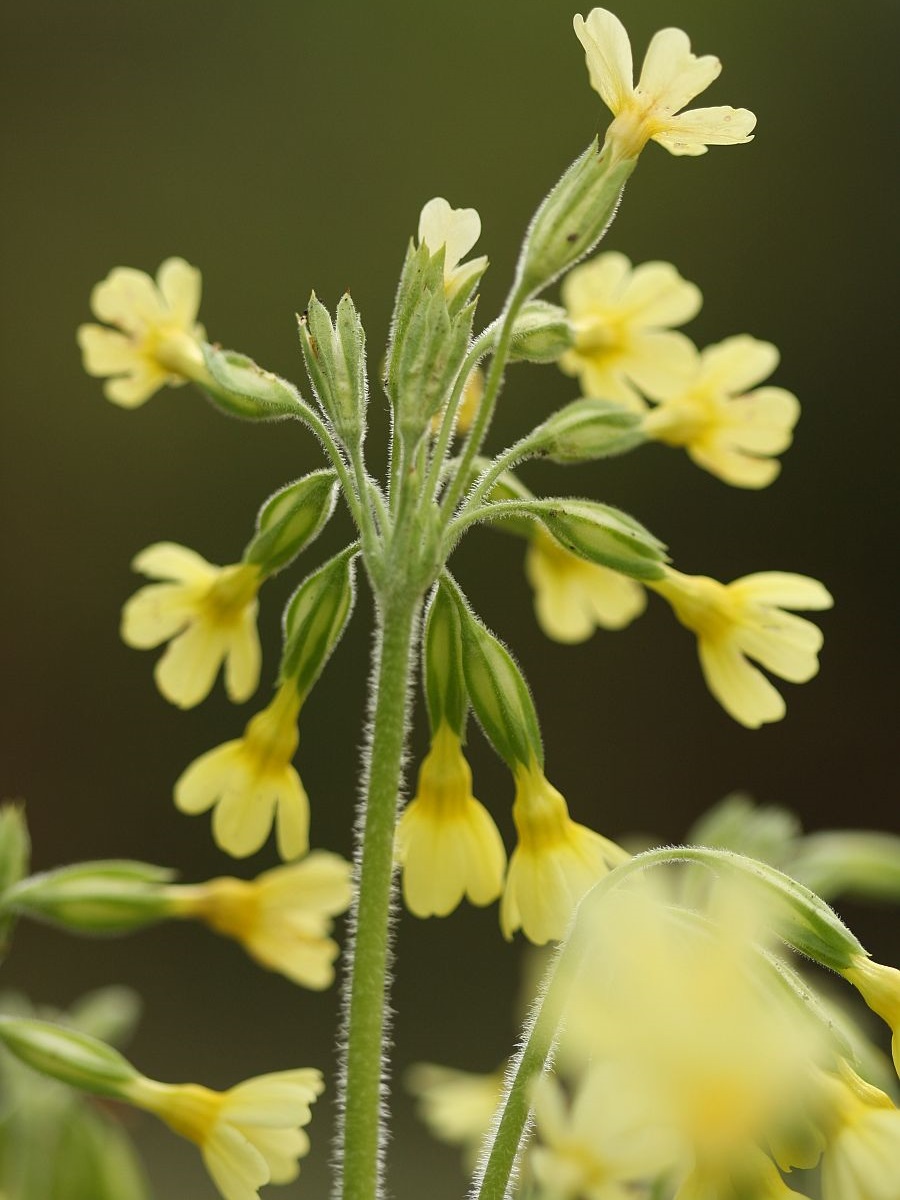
[285, 146]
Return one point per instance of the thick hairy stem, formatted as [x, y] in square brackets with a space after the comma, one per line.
[362, 1133]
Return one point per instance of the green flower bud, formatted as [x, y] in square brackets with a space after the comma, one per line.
[445, 685]
[572, 219]
[587, 430]
[603, 535]
[335, 356]
[243, 389]
[541, 333]
[315, 619]
[112, 896]
[858, 863]
[74, 1058]
[291, 519]
[15, 845]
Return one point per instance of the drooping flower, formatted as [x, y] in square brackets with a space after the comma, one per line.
[447, 842]
[727, 426]
[623, 320]
[879, 986]
[554, 862]
[573, 597]
[456, 230]
[746, 619]
[670, 78]
[156, 339]
[282, 918]
[249, 1136]
[457, 1106]
[208, 616]
[862, 1157]
[251, 782]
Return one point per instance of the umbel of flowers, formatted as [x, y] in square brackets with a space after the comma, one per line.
[700, 1100]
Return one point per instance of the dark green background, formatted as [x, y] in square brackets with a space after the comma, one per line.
[285, 146]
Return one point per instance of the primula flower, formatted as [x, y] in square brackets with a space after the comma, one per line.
[206, 613]
[457, 1106]
[879, 986]
[251, 782]
[745, 619]
[749, 1174]
[282, 918]
[447, 842]
[623, 319]
[456, 230]
[670, 77]
[573, 597]
[555, 862]
[727, 429]
[862, 1157]
[249, 1136]
[156, 340]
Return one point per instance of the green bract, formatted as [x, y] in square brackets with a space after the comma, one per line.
[244, 389]
[112, 896]
[291, 519]
[335, 356]
[71, 1057]
[315, 619]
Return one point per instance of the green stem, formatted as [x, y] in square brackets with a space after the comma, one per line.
[360, 1153]
[479, 348]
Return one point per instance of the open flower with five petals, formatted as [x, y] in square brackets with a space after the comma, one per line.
[622, 319]
[728, 426]
[670, 78]
[155, 340]
[447, 842]
[251, 783]
[456, 230]
[208, 616]
[745, 619]
[862, 1153]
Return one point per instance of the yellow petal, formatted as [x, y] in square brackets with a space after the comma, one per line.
[672, 75]
[237, 1169]
[737, 363]
[106, 351]
[154, 614]
[658, 296]
[692, 132]
[168, 560]
[784, 589]
[242, 819]
[129, 299]
[187, 670]
[202, 783]
[607, 52]
[243, 658]
[131, 391]
[741, 689]
[292, 820]
[180, 285]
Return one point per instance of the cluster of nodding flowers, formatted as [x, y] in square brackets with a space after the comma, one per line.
[696, 1061]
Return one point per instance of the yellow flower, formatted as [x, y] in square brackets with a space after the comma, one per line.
[456, 230]
[671, 77]
[879, 986]
[750, 1174]
[457, 1106]
[555, 862]
[249, 1136]
[447, 842]
[206, 613]
[745, 619]
[251, 782]
[622, 320]
[282, 918]
[573, 597]
[862, 1158]
[156, 340]
[727, 429]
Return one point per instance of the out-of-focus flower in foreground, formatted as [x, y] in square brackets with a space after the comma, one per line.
[623, 320]
[208, 616]
[670, 78]
[251, 782]
[457, 1106]
[746, 619]
[573, 597]
[727, 428]
[155, 340]
[456, 230]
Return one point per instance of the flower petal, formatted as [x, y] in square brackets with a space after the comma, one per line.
[607, 52]
[237, 1168]
[131, 391]
[180, 285]
[242, 819]
[187, 670]
[106, 351]
[733, 467]
[168, 560]
[737, 363]
[658, 296]
[154, 614]
[597, 284]
[202, 783]
[292, 816]
[243, 658]
[672, 75]
[762, 421]
[693, 131]
[741, 689]
[129, 299]
[784, 589]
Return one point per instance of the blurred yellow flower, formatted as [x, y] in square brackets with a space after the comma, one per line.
[249, 1136]
[251, 782]
[282, 918]
[727, 429]
[457, 1106]
[447, 842]
[156, 340]
[745, 619]
[622, 319]
[206, 613]
[573, 597]
[862, 1157]
[879, 986]
[456, 230]
[670, 78]
[555, 862]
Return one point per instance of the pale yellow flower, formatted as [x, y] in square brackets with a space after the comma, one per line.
[249, 1136]
[447, 842]
[251, 782]
[156, 340]
[573, 597]
[745, 619]
[750, 1173]
[670, 78]
[862, 1157]
[208, 616]
[282, 918]
[457, 1106]
[555, 862]
[727, 428]
[879, 986]
[457, 230]
[623, 321]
